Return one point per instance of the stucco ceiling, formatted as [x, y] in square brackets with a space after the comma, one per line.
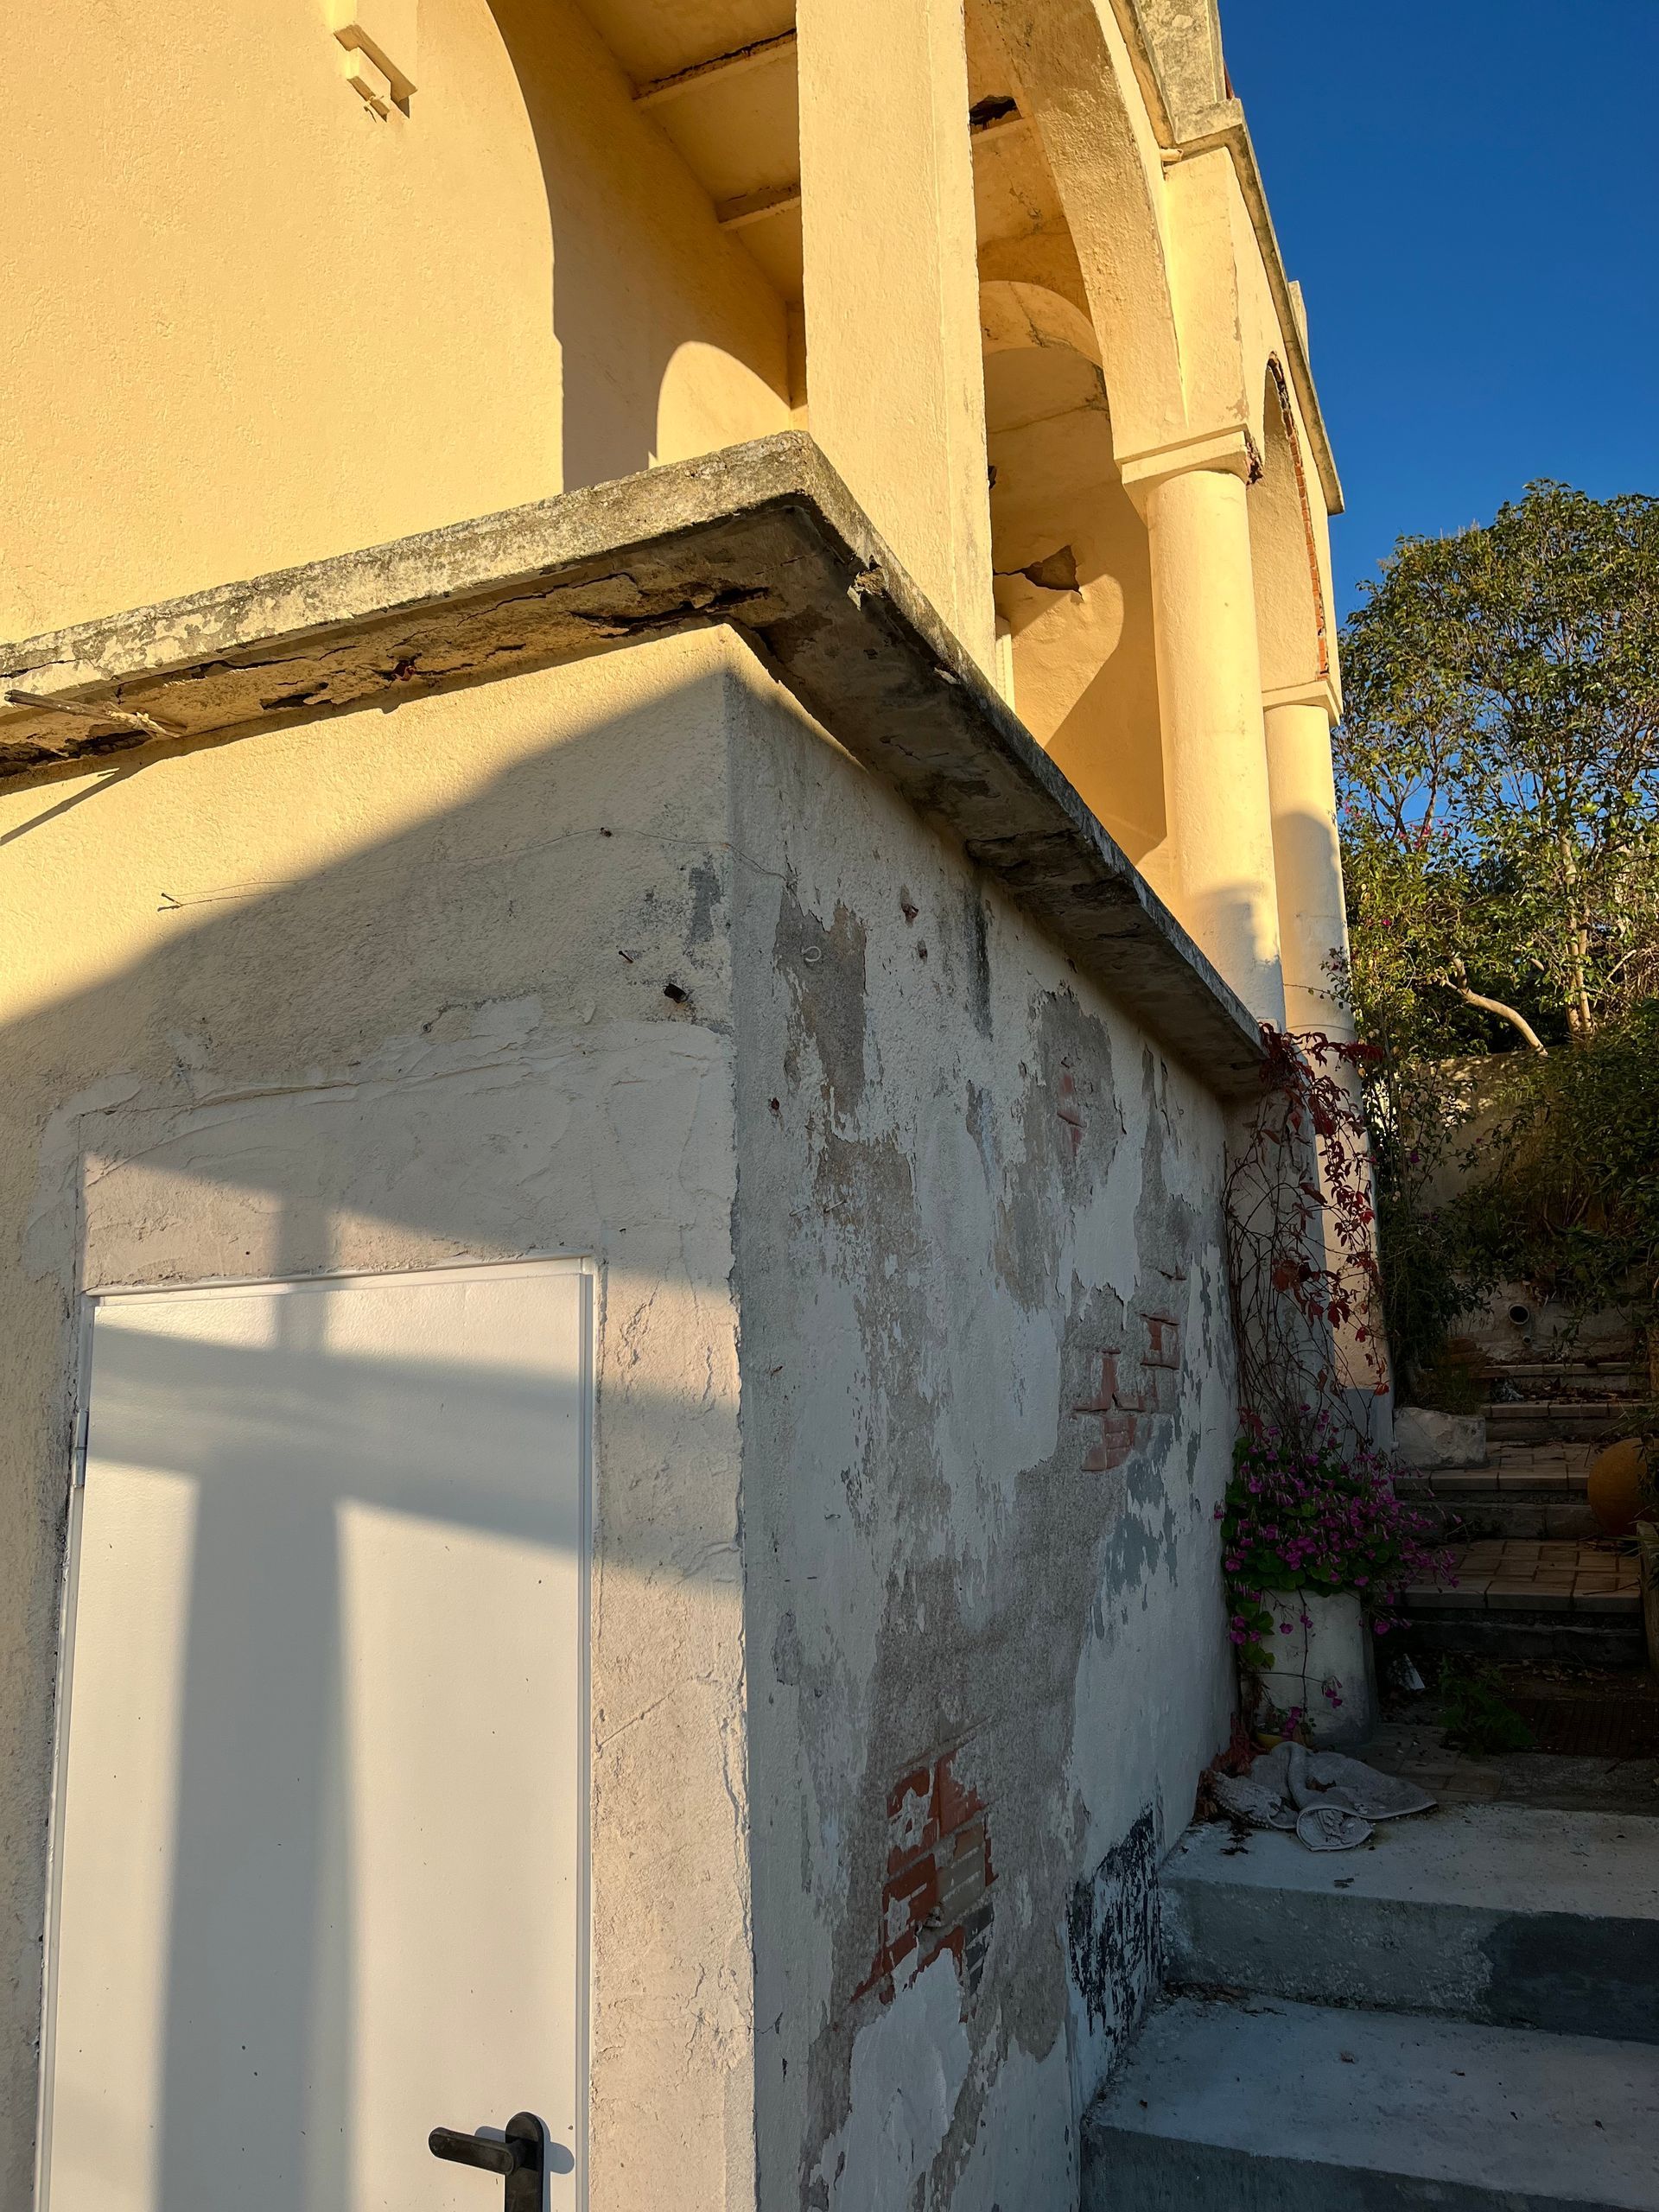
[654, 39]
[718, 78]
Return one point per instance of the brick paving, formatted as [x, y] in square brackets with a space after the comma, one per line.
[1507, 1576]
[1520, 1468]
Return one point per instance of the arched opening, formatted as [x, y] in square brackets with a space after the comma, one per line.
[1290, 613]
[670, 322]
[1072, 574]
[1297, 698]
[1070, 75]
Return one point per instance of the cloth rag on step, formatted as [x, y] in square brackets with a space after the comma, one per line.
[1328, 1801]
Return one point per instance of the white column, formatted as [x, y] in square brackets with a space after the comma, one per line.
[1308, 861]
[895, 386]
[1220, 833]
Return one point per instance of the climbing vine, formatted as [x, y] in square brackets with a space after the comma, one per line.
[1301, 1241]
[1312, 1506]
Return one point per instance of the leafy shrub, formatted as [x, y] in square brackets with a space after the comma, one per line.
[1572, 1206]
[1475, 1714]
[1453, 1382]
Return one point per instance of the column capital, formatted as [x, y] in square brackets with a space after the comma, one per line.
[1230, 451]
[1317, 691]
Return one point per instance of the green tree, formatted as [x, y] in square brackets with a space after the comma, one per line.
[1499, 767]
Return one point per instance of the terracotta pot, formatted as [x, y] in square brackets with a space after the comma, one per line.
[1619, 1479]
[1647, 1538]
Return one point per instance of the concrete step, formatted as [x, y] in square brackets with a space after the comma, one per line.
[1523, 1490]
[1531, 1637]
[1534, 1601]
[1544, 1420]
[1265, 2106]
[1572, 1378]
[1499, 1914]
[1536, 1517]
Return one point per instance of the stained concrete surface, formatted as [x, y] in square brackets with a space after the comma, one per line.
[1509, 1914]
[986, 1394]
[1418, 1750]
[1267, 2107]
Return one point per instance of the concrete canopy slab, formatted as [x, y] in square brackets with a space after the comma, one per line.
[765, 538]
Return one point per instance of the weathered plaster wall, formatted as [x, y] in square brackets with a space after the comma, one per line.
[375, 992]
[987, 1408]
[248, 323]
[629, 958]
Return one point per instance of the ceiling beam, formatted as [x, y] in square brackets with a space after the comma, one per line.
[717, 69]
[757, 206]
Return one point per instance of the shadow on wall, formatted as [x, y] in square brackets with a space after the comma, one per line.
[1073, 576]
[435, 1119]
[671, 342]
[1233, 914]
[310, 1491]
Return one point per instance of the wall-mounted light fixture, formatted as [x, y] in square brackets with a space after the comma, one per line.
[379, 37]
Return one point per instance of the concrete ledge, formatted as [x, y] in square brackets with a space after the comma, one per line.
[1275, 2107]
[764, 537]
[1589, 1639]
[1503, 1914]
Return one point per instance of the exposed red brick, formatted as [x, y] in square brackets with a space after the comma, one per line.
[938, 1873]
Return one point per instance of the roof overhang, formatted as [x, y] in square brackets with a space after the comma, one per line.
[763, 538]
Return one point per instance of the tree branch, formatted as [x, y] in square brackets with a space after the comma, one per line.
[1497, 1006]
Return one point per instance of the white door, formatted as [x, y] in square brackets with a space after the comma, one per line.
[322, 1804]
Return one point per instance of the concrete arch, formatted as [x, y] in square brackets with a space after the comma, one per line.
[1072, 575]
[1292, 621]
[1013, 314]
[708, 397]
[1077, 86]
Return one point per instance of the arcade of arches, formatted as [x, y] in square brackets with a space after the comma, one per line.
[471, 789]
[1029, 250]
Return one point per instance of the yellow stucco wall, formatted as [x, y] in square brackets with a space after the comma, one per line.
[248, 323]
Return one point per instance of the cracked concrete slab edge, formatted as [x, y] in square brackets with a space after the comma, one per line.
[764, 537]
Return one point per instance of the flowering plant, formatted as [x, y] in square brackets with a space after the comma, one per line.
[1316, 1513]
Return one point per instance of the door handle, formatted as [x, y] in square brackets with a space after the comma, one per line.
[523, 2154]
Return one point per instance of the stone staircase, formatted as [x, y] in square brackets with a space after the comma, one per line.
[1536, 1580]
[1464, 2014]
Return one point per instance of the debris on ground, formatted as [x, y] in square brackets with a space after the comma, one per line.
[1328, 1801]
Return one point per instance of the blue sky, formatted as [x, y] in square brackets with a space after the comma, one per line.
[1469, 193]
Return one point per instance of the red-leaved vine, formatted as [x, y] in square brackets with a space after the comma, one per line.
[1312, 1505]
[1302, 1239]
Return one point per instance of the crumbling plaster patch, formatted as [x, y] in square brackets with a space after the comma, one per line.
[908, 2071]
[944, 1222]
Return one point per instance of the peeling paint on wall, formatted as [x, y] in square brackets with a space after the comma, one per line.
[1113, 1948]
[937, 1898]
[986, 1412]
